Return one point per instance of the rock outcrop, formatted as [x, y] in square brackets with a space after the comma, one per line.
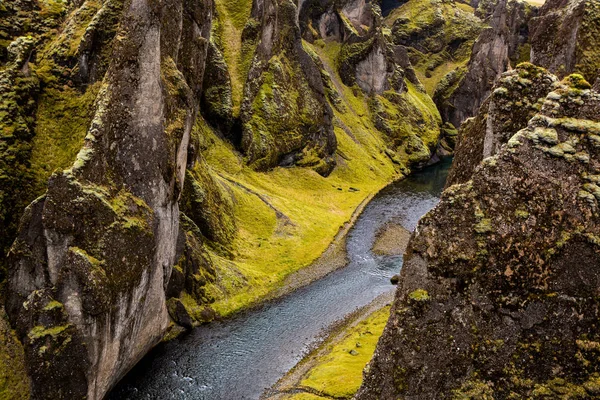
[461, 93]
[438, 35]
[498, 296]
[285, 116]
[108, 110]
[565, 37]
[94, 255]
[518, 95]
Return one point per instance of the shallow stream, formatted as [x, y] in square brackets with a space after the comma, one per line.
[241, 357]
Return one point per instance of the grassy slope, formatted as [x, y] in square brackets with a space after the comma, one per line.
[312, 208]
[459, 19]
[232, 17]
[338, 372]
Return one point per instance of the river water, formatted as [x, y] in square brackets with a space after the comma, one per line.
[241, 357]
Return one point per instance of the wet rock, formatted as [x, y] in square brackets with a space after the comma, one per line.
[179, 314]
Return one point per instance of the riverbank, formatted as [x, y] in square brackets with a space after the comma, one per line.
[226, 359]
[334, 368]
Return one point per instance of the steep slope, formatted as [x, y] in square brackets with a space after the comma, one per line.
[193, 156]
[94, 255]
[564, 38]
[285, 117]
[498, 294]
[461, 92]
[438, 35]
[518, 95]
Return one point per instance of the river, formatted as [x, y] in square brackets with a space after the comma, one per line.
[241, 357]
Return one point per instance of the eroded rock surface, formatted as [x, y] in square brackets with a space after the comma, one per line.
[461, 93]
[565, 37]
[94, 255]
[286, 119]
[498, 296]
[518, 95]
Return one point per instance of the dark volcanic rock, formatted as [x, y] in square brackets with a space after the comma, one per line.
[89, 269]
[461, 93]
[565, 38]
[518, 95]
[498, 296]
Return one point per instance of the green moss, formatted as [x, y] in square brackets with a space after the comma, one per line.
[63, 118]
[14, 381]
[474, 390]
[439, 36]
[53, 305]
[40, 332]
[232, 18]
[577, 81]
[484, 226]
[419, 295]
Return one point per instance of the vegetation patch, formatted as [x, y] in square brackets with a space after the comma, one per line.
[338, 373]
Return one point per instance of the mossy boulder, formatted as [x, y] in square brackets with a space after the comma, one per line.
[509, 261]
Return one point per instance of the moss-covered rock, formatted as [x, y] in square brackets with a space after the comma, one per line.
[517, 96]
[509, 262]
[439, 36]
[103, 240]
[285, 116]
[460, 94]
[565, 38]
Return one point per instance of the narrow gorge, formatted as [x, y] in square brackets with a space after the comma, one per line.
[207, 199]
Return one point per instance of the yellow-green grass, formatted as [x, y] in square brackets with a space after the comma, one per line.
[233, 16]
[305, 396]
[431, 82]
[269, 248]
[338, 373]
[536, 2]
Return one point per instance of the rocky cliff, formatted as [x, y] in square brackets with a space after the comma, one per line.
[518, 95]
[94, 254]
[564, 38]
[498, 293]
[167, 149]
[504, 42]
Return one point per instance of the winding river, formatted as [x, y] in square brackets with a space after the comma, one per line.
[241, 357]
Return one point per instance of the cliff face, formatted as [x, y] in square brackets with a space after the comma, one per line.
[516, 98]
[95, 253]
[498, 293]
[438, 36]
[135, 128]
[460, 94]
[564, 38]
[286, 118]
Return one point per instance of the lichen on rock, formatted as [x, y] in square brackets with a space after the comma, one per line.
[508, 260]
